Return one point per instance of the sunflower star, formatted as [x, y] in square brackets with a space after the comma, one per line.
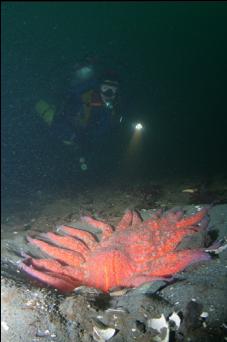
[136, 251]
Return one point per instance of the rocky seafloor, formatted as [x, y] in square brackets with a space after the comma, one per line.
[190, 308]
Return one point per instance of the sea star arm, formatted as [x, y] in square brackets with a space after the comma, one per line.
[171, 217]
[68, 257]
[136, 219]
[193, 219]
[85, 236]
[60, 282]
[172, 240]
[130, 218]
[106, 228]
[68, 242]
[174, 218]
[125, 221]
[54, 266]
[174, 262]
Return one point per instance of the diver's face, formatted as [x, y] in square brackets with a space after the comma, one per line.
[108, 91]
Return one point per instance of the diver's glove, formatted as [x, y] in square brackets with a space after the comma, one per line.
[72, 141]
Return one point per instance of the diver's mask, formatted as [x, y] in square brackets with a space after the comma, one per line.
[108, 91]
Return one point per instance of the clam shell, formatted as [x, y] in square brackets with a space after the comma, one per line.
[103, 334]
[159, 324]
[176, 319]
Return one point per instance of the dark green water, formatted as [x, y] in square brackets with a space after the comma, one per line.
[171, 58]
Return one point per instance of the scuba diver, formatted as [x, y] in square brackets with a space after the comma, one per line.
[90, 118]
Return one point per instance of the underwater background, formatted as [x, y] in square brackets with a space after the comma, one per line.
[171, 58]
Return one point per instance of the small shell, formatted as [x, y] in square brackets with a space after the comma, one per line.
[204, 314]
[190, 191]
[4, 326]
[117, 310]
[119, 292]
[176, 319]
[103, 334]
[217, 250]
[159, 324]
